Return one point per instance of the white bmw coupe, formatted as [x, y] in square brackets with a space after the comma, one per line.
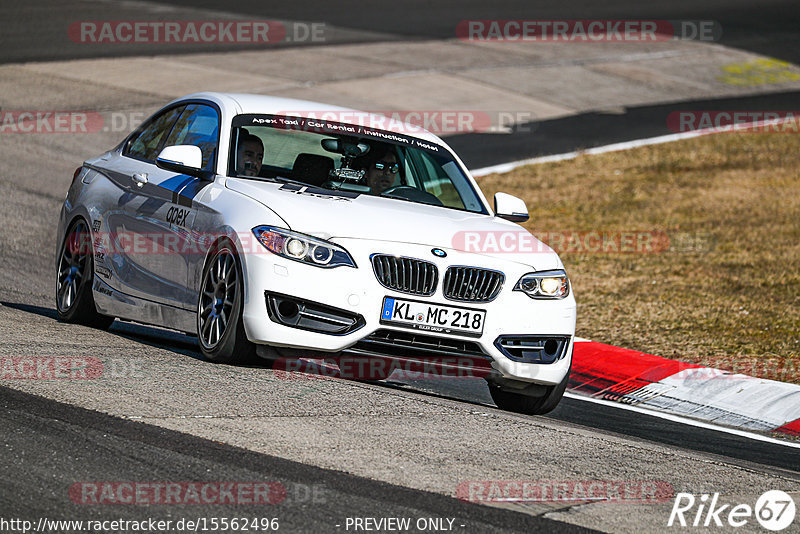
[279, 228]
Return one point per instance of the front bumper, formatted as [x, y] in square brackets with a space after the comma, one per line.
[358, 292]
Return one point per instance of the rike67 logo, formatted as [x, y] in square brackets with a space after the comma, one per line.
[774, 510]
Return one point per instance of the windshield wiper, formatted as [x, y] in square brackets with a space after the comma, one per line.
[283, 180]
[275, 179]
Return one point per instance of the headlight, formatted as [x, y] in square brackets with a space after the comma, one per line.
[544, 285]
[302, 248]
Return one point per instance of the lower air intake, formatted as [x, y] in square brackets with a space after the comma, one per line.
[533, 349]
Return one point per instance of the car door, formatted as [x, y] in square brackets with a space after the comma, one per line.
[154, 215]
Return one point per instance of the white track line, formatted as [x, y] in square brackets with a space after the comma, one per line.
[506, 167]
[685, 421]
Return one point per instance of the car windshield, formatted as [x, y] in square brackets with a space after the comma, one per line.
[347, 157]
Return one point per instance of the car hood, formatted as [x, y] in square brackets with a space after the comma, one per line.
[330, 215]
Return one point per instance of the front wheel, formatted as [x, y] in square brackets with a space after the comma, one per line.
[220, 329]
[74, 278]
[519, 403]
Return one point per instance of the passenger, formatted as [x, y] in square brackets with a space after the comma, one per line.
[381, 167]
[249, 155]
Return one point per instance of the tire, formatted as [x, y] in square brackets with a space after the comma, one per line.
[220, 329]
[74, 279]
[519, 403]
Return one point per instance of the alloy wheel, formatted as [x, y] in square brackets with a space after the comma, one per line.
[73, 265]
[217, 298]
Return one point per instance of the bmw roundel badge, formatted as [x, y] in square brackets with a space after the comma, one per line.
[439, 252]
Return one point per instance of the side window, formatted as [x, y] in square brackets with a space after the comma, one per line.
[145, 145]
[434, 180]
[198, 125]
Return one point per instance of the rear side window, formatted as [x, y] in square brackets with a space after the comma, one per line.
[145, 145]
[198, 125]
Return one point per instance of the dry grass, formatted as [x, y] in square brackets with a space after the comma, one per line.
[727, 291]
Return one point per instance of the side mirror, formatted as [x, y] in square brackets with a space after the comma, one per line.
[510, 208]
[185, 159]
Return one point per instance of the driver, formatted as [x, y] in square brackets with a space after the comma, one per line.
[381, 167]
[249, 154]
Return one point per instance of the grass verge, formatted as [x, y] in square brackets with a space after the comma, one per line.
[717, 282]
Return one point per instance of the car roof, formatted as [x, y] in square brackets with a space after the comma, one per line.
[242, 103]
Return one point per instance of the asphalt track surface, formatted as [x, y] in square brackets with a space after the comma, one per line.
[587, 130]
[48, 445]
[610, 419]
[726, 447]
[771, 28]
[41, 433]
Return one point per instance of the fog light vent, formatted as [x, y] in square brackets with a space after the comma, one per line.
[533, 349]
[313, 316]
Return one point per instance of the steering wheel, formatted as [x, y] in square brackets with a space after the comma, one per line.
[412, 193]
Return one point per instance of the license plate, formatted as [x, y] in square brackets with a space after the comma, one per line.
[432, 317]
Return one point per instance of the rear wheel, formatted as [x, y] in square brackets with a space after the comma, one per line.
[74, 277]
[220, 329]
[521, 403]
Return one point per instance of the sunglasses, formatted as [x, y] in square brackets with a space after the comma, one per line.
[393, 168]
